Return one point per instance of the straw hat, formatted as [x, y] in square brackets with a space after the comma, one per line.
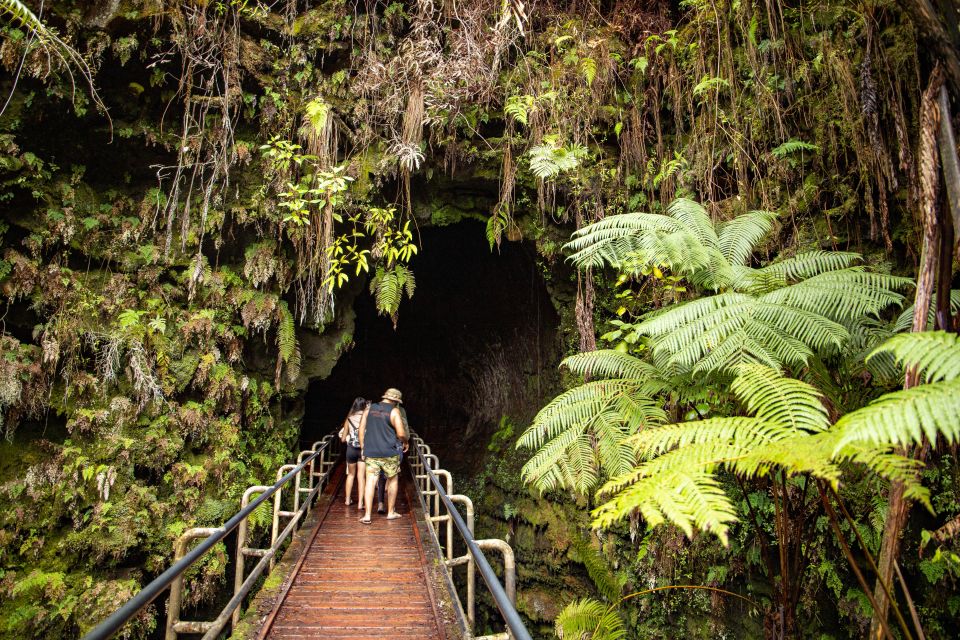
[393, 395]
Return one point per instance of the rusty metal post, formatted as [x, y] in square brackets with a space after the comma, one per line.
[242, 544]
[449, 478]
[277, 511]
[471, 567]
[509, 566]
[176, 587]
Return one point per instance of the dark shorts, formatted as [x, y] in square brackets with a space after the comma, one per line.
[353, 454]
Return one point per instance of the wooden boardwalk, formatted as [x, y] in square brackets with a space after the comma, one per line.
[359, 581]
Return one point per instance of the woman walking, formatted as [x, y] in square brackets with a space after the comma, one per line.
[350, 434]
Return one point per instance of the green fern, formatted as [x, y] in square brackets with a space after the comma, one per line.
[550, 159]
[389, 286]
[779, 315]
[608, 583]
[588, 619]
[928, 411]
[519, 108]
[581, 435]
[788, 429]
[287, 344]
[792, 146]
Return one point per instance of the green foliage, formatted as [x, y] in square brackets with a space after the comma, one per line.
[550, 159]
[928, 410]
[787, 429]
[792, 146]
[580, 436]
[389, 286]
[587, 618]
[608, 583]
[287, 345]
[779, 315]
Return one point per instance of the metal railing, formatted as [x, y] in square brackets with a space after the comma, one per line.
[319, 460]
[434, 496]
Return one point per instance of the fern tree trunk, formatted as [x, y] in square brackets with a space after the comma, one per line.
[899, 507]
[936, 20]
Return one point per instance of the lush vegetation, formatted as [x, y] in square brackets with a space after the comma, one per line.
[737, 198]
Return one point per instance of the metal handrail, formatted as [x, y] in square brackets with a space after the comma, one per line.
[173, 576]
[503, 595]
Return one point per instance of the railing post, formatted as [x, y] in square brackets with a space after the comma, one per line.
[449, 478]
[242, 545]
[471, 567]
[277, 508]
[176, 587]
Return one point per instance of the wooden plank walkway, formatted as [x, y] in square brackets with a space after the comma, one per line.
[360, 581]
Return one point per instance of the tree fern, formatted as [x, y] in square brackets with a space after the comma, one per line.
[588, 619]
[778, 315]
[581, 435]
[788, 429]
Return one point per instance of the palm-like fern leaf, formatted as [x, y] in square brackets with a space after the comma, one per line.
[582, 433]
[608, 363]
[791, 404]
[739, 237]
[676, 480]
[935, 354]
[906, 417]
[588, 618]
[695, 220]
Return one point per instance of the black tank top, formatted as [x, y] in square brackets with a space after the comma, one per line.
[380, 438]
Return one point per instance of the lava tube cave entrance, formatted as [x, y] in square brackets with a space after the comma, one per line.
[478, 341]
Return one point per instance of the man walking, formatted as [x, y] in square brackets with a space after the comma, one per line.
[381, 427]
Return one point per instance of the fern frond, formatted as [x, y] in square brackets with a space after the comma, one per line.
[802, 266]
[906, 417]
[619, 240]
[582, 433]
[686, 499]
[589, 619]
[608, 583]
[608, 363]
[935, 354]
[842, 295]
[793, 404]
[747, 432]
[739, 237]
[695, 220]
[389, 286]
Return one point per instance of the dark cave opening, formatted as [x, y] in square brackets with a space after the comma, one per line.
[478, 341]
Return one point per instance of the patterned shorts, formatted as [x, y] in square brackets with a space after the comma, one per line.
[390, 466]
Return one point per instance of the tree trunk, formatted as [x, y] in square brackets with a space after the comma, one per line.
[935, 31]
[929, 188]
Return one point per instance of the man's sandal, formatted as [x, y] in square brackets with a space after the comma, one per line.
[365, 521]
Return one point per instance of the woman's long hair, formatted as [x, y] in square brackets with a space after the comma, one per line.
[359, 405]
